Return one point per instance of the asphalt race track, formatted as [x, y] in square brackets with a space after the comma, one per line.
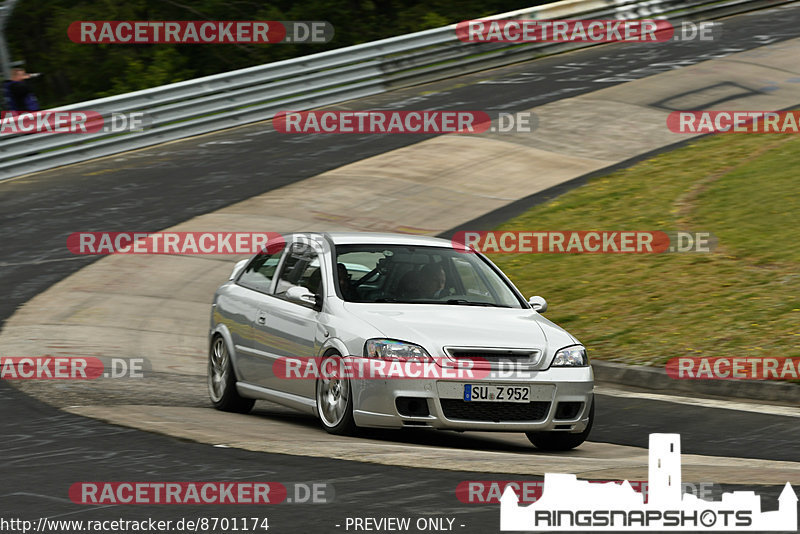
[45, 450]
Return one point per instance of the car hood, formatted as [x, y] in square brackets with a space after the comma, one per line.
[435, 326]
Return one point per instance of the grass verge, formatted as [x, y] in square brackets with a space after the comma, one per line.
[741, 300]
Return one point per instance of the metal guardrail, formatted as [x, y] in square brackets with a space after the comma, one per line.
[221, 101]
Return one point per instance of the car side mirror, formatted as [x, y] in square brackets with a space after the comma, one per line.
[538, 304]
[301, 295]
[238, 268]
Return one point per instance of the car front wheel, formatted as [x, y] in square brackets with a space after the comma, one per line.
[561, 441]
[335, 401]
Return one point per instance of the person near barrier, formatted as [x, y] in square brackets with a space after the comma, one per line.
[17, 91]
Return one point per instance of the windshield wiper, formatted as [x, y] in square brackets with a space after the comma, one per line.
[473, 303]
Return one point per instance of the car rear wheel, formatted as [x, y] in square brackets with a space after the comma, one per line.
[335, 401]
[222, 380]
[561, 441]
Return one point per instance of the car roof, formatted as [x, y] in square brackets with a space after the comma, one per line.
[357, 238]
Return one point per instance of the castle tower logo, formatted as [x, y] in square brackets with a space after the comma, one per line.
[569, 504]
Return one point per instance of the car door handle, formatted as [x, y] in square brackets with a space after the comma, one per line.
[262, 317]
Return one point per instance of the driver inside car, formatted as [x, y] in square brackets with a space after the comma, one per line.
[433, 280]
[427, 283]
[348, 291]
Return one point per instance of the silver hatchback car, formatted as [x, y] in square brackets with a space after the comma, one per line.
[392, 330]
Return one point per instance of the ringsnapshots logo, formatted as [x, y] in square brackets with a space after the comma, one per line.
[568, 504]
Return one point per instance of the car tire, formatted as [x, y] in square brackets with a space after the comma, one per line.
[561, 441]
[335, 402]
[222, 380]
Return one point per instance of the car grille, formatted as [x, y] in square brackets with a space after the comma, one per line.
[493, 354]
[528, 358]
[496, 412]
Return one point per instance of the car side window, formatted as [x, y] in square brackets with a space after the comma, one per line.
[301, 268]
[258, 274]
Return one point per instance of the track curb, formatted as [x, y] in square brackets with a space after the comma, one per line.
[656, 379]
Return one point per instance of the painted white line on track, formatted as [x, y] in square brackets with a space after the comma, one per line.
[39, 262]
[769, 409]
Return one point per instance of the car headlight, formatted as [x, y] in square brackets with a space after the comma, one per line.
[574, 356]
[390, 349]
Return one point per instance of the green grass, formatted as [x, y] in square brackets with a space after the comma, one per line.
[741, 300]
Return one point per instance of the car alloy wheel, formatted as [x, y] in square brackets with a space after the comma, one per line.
[222, 380]
[335, 402]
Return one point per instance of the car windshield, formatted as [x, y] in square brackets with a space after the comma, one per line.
[419, 275]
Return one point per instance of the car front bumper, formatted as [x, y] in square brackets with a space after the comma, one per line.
[375, 402]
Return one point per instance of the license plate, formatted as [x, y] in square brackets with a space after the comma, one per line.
[486, 393]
